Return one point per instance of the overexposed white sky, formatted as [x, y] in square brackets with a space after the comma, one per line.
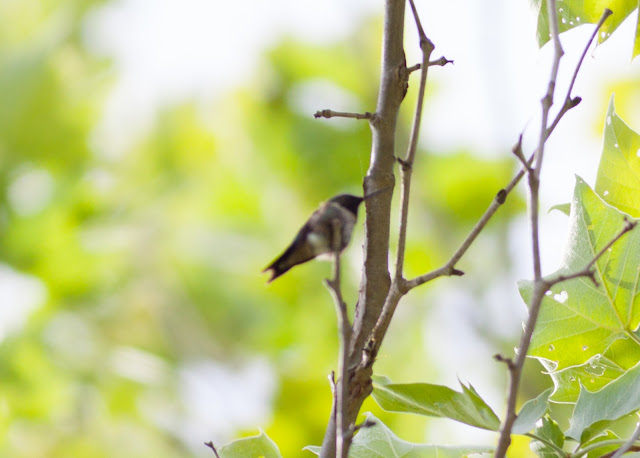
[166, 51]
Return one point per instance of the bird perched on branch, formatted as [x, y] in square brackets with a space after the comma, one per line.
[316, 237]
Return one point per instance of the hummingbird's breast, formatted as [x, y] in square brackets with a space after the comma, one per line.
[321, 237]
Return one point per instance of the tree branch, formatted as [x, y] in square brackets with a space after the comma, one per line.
[540, 286]
[398, 286]
[341, 114]
[406, 164]
[441, 62]
[213, 448]
[343, 437]
[569, 103]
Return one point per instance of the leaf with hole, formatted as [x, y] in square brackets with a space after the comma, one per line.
[622, 355]
[573, 13]
[595, 411]
[580, 320]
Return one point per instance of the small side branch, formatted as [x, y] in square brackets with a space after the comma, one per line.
[341, 114]
[588, 270]
[570, 102]
[340, 389]
[213, 448]
[407, 163]
[441, 62]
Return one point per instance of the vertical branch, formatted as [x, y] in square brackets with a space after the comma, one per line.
[539, 286]
[407, 163]
[376, 280]
[344, 328]
[399, 284]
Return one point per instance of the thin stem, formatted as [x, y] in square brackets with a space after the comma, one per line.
[587, 271]
[570, 102]
[342, 114]
[515, 370]
[547, 442]
[344, 327]
[407, 163]
[540, 285]
[595, 446]
[213, 448]
[629, 444]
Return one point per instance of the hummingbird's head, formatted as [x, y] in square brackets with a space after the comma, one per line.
[348, 201]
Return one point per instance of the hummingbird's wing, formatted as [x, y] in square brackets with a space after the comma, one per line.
[297, 252]
[313, 239]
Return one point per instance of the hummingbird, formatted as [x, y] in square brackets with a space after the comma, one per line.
[316, 236]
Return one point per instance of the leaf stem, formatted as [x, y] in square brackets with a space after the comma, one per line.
[548, 443]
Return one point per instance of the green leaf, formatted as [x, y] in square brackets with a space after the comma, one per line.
[437, 401]
[379, 441]
[251, 447]
[564, 208]
[578, 320]
[595, 411]
[595, 373]
[551, 432]
[618, 180]
[601, 451]
[572, 13]
[531, 412]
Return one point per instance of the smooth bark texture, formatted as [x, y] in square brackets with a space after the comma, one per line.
[376, 280]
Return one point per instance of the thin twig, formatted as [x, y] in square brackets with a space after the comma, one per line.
[629, 444]
[517, 152]
[365, 424]
[398, 289]
[540, 286]
[587, 271]
[515, 370]
[212, 447]
[440, 62]
[342, 114]
[503, 359]
[407, 163]
[585, 451]
[570, 102]
[503, 193]
[344, 328]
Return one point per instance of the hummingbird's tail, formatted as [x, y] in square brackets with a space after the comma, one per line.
[276, 269]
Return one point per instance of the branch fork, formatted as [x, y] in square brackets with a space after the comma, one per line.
[360, 343]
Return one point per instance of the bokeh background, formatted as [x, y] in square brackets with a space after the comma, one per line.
[156, 155]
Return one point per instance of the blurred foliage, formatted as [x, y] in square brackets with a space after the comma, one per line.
[157, 332]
